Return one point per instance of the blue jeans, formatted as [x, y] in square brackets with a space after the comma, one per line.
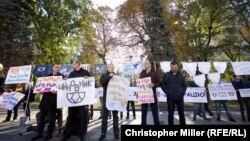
[144, 111]
[197, 107]
[225, 105]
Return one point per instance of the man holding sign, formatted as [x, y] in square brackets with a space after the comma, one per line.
[149, 80]
[104, 80]
[77, 119]
[48, 106]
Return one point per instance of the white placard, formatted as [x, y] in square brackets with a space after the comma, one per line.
[244, 92]
[145, 92]
[19, 74]
[223, 91]
[117, 94]
[161, 95]
[75, 92]
[195, 95]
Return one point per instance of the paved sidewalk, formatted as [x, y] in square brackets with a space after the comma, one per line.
[9, 130]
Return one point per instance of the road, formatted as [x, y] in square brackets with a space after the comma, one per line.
[9, 130]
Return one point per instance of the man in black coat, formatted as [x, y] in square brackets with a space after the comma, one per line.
[174, 86]
[104, 80]
[77, 120]
[48, 106]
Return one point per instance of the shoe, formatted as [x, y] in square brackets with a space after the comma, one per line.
[134, 117]
[90, 118]
[117, 137]
[232, 120]
[103, 136]
[37, 137]
[127, 117]
[100, 117]
[194, 119]
[48, 137]
[206, 119]
[5, 121]
[218, 119]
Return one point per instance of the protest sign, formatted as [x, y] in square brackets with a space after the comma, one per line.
[10, 100]
[145, 92]
[117, 94]
[46, 84]
[19, 74]
[220, 66]
[75, 92]
[195, 95]
[244, 92]
[223, 91]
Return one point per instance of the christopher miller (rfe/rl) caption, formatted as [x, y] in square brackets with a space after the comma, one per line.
[181, 132]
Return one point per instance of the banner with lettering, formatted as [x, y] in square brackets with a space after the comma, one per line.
[117, 94]
[244, 92]
[19, 74]
[46, 84]
[75, 92]
[10, 100]
[195, 95]
[223, 91]
[145, 92]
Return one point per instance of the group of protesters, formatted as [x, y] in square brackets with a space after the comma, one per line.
[173, 83]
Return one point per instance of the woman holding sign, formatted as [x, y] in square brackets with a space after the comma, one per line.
[155, 82]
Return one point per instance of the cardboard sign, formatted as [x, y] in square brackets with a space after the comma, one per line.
[19, 74]
[195, 95]
[244, 92]
[10, 100]
[46, 84]
[224, 91]
[145, 92]
[117, 94]
[75, 92]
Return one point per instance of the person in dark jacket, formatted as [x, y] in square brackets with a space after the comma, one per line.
[48, 106]
[239, 84]
[174, 86]
[155, 82]
[104, 80]
[77, 120]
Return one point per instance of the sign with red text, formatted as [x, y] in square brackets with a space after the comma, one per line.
[223, 91]
[145, 92]
[46, 84]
